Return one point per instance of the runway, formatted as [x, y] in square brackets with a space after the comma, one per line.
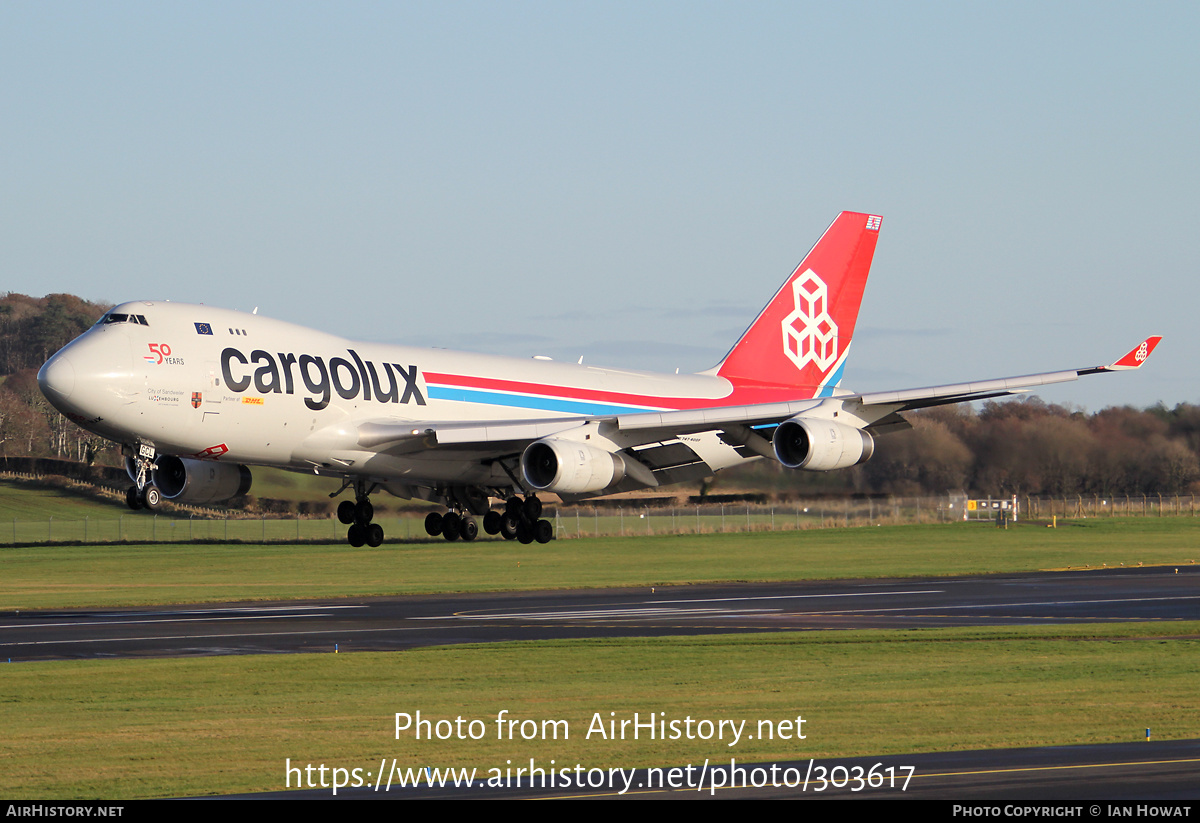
[391, 623]
[1158, 770]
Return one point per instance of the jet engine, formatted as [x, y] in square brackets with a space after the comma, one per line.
[186, 480]
[820, 445]
[570, 466]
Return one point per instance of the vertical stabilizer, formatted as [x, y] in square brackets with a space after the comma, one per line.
[801, 338]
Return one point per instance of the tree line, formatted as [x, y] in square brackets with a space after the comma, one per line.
[1025, 447]
[32, 329]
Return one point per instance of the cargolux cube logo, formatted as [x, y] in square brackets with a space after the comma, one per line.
[809, 333]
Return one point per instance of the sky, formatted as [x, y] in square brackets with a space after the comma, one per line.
[626, 182]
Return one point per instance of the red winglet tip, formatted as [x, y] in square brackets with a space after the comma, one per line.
[1138, 355]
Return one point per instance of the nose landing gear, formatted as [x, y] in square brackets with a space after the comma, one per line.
[143, 494]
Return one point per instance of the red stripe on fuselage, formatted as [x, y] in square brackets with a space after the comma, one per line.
[738, 396]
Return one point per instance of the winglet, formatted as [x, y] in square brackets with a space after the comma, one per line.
[1137, 356]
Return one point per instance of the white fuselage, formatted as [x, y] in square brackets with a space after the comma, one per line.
[192, 380]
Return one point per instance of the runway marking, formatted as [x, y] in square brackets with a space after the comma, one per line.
[1008, 605]
[634, 610]
[293, 608]
[801, 596]
[72, 623]
[602, 613]
[915, 775]
[205, 636]
[336, 632]
[1015, 769]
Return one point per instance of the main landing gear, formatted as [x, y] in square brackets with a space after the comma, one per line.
[357, 514]
[519, 521]
[522, 521]
[452, 525]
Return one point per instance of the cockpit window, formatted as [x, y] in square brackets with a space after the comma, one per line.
[113, 317]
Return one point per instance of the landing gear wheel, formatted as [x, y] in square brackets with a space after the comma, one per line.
[345, 511]
[131, 498]
[492, 521]
[433, 524]
[524, 532]
[363, 511]
[150, 497]
[508, 527]
[543, 531]
[374, 535]
[469, 529]
[512, 506]
[532, 508]
[356, 535]
[451, 526]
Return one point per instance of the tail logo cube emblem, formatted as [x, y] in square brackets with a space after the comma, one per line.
[809, 333]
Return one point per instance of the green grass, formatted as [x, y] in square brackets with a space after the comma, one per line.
[171, 727]
[151, 728]
[30, 501]
[68, 576]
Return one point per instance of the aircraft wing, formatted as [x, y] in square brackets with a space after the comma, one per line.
[877, 412]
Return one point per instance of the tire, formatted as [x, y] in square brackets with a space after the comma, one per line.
[345, 512]
[508, 527]
[543, 531]
[433, 524]
[512, 506]
[364, 511]
[151, 497]
[532, 509]
[131, 498]
[469, 529]
[524, 532]
[356, 537]
[374, 535]
[451, 525]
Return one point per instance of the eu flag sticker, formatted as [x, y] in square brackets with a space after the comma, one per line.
[203, 328]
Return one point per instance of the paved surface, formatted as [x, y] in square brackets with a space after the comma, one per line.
[1155, 771]
[389, 623]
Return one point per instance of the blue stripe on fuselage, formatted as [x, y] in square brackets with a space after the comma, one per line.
[526, 402]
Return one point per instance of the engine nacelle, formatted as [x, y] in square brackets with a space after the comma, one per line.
[185, 480]
[820, 445]
[570, 466]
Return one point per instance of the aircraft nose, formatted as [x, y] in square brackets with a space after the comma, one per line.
[56, 378]
[90, 376]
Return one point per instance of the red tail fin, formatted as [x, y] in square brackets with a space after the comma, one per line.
[801, 338]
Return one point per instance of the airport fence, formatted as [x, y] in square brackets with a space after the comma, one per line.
[624, 519]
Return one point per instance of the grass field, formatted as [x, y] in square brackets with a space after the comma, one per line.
[184, 727]
[65, 576]
[177, 727]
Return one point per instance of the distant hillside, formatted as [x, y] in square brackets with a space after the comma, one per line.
[32, 329]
